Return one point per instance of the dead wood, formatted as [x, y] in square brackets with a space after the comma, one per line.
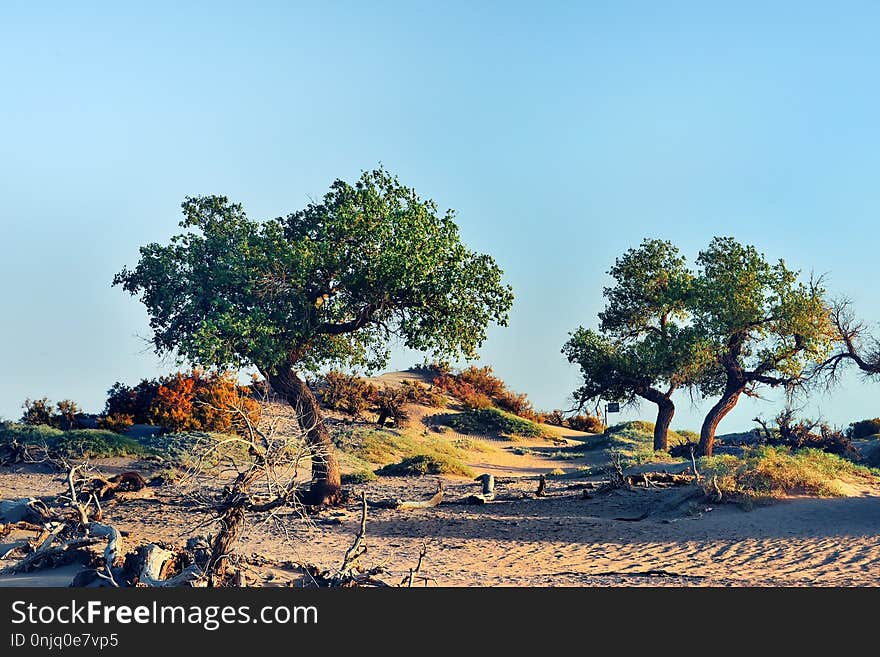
[542, 487]
[28, 509]
[106, 487]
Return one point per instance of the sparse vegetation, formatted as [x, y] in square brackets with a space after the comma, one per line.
[493, 420]
[426, 464]
[358, 477]
[766, 472]
[864, 429]
[586, 423]
[77, 443]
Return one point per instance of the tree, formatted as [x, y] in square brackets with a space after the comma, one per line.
[645, 348]
[764, 327]
[327, 285]
[854, 344]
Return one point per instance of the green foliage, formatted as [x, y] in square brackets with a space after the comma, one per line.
[358, 477]
[768, 472]
[645, 347]
[38, 412]
[493, 420]
[326, 284]
[864, 428]
[42, 412]
[762, 325]
[79, 443]
[425, 464]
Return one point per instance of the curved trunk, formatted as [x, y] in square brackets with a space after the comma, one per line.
[665, 412]
[326, 486]
[714, 416]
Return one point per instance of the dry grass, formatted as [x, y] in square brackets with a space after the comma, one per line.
[772, 472]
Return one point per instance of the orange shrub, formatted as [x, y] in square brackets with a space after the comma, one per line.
[477, 387]
[587, 423]
[194, 401]
[117, 422]
[347, 393]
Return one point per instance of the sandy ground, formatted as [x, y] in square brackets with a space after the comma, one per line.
[560, 540]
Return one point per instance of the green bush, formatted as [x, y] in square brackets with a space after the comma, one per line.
[359, 477]
[425, 464]
[92, 443]
[489, 420]
[864, 428]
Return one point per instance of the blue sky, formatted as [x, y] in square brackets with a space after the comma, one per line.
[562, 133]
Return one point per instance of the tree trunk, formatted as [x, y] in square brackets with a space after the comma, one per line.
[665, 412]
[713, 418]
[326, 486]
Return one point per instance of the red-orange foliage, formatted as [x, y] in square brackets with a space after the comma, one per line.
[477, 387]
[195, 401]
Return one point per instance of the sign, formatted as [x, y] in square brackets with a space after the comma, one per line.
[613, 407]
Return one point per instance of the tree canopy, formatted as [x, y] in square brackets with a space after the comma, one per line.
[645, 348]
[327, 284]
[763, 325]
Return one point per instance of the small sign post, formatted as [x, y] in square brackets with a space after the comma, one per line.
[611, 407]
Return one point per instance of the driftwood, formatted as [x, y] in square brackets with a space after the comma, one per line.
[542, 487]
[155, 568]
[106, 487]
[405, 505]
[487, 493]
[28, 509]
[659, 479]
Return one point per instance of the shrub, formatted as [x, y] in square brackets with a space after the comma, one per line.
[556, 418]
[117, 422]
[38, 411]
[425, 464]
[92, 443]
[864, 428]
[477, 387]
[586, 423]
[766, 472]
[41, 411]
[514, 403]
[347, 393]
[418, 393]
[136, 402]
[391, 404]
[359, 477]
[195, 401]
[797, 434]
[487, 420]
[65, 418]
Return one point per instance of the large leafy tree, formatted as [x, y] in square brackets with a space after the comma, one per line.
[763, 325]
[327, 285]
[645, 348]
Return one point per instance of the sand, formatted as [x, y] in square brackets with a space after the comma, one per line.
[557, 541]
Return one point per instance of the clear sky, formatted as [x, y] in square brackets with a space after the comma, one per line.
[562, 133]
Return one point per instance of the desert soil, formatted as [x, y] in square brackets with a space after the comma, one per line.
[560, 540]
